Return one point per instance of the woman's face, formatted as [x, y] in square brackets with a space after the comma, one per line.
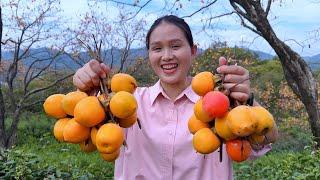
[170, 54]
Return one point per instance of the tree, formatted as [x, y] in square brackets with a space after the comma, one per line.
[116, 36]
[28, 25]
[297, 73]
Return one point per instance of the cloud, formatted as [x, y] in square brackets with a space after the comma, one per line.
[290, 20]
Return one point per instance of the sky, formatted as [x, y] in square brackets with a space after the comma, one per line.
[295, 21]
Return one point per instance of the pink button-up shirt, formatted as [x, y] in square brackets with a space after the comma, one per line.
[162, 149]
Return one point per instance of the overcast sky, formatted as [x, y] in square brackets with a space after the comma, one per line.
[294, 21]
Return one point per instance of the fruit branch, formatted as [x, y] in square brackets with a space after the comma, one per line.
[96, 54]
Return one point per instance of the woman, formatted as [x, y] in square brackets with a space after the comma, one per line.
[162, 148]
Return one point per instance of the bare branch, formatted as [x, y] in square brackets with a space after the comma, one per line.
[137, 12]
[31, 104]
[81, 61]
[173, 5]
[295, 41]
[76, 58]
[47, 87]
[124, 3]
[112, 56]
[8, 40]
[26, 50]
[268, 7]
[249, 27]
[32, 77]
[133, 5]
[238, 10]
[204, 7]
[221, 15]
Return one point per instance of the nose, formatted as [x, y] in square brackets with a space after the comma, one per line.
[167, 54]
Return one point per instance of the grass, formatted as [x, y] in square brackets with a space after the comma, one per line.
[36, 141]
[281, 165]
[67, 157]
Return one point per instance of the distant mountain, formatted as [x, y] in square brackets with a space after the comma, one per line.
[312, 61]
[262, 55]
[44, 56]
[66, 62]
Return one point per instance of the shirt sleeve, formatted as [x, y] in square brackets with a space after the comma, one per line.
[258, 153]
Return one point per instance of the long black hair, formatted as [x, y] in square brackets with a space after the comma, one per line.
[172, 19]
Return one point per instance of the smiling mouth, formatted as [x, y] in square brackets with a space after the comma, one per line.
[169, 66]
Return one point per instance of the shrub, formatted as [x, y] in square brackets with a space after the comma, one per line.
[284, 165]
[45, 158]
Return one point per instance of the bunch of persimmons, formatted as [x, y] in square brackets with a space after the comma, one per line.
[215, 121]
[95, 121]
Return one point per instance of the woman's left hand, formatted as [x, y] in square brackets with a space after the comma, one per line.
[233, 75]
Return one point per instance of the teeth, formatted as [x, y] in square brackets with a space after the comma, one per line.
[169, 66]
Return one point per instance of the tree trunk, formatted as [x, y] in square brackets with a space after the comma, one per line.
[2, 119]
[12, 132]
[302, 82]
[297, 73]
[300, 79]
[2, 110]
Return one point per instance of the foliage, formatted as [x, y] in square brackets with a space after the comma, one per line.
[143, 72]
[42, 81]
[209, 59]
[284, 165]
[293, 137]
[39, 156]
[57, 162]
[267, 71]
[63, 87]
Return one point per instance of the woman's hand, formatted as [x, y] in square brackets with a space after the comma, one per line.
[88, 77]
[233, 75]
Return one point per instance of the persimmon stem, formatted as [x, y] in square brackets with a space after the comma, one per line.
[112, 117]
[220, 152]
[125, 144]
[267, 139]
[239, 83]
[139, 124]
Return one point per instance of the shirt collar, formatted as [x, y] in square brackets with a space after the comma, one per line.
[157, 89]
[191, 95]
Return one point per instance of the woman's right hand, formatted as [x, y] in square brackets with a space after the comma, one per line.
[87, 78]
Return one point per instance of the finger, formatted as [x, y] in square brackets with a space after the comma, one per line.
[242, 88]
[232, 78]
[232, 70]
[86, 79]
[79, 84]
[94, 77]
[105, 68]
[96, 68]
[222, 61]
[242, 97]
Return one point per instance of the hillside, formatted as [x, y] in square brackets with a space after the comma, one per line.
[66, 62]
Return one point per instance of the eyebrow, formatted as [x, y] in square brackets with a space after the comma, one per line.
[173, 40]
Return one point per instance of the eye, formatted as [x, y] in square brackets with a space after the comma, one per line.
[157, 49]
[175, 47]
